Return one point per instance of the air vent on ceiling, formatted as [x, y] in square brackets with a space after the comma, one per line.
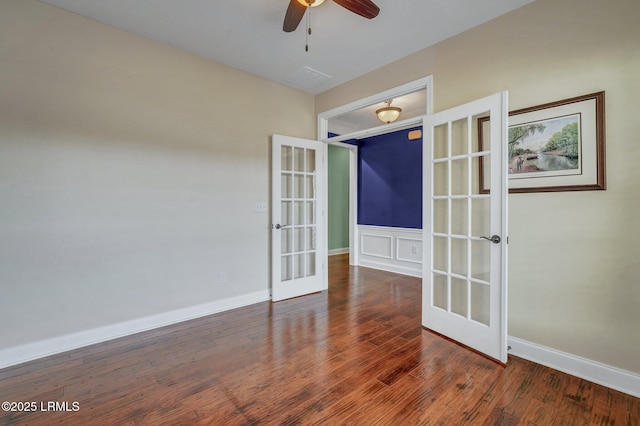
[307, 78]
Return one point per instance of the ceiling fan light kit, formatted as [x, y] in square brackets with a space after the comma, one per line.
[297, 8]
[388, 114]
[311, 3]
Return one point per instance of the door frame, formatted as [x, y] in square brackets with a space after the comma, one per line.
[425, 83]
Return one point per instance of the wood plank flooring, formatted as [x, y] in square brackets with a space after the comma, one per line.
[355, 355]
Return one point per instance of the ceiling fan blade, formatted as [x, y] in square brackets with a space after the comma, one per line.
[365, 8]
[294, 15]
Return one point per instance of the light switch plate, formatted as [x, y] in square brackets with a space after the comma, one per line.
[260, 207]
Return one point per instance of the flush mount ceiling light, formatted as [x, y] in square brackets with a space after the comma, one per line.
[388, 114]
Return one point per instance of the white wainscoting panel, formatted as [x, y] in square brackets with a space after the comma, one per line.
[391, 249]
[409, 250]
[376, 245]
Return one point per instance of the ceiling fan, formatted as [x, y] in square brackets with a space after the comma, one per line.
[297, 8]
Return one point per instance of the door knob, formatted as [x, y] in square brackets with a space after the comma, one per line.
[278, 226]
[494, 239]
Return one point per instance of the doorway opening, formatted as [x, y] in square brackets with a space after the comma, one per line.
[341, 126]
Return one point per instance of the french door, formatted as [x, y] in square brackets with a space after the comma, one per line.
[297, 230]
[465, 225]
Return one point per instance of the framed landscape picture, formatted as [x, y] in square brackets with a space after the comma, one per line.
[558, 146]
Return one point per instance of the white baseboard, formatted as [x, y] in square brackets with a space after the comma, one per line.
[334, 252]
[28, 352]
[602, 374]
[398, 269]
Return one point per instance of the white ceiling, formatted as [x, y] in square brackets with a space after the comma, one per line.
[247, 34]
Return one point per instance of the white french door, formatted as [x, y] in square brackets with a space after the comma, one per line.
[297, 230]
[465, 225]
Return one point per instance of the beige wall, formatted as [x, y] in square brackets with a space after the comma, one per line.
[128, 175]
[574, 274]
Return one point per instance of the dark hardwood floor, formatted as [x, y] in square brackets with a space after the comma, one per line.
[353, 355]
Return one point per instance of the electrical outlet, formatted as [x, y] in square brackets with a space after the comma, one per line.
[414, 249]
[222, 277]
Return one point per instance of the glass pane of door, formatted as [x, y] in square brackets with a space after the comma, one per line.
[459, 257]
[298, 193]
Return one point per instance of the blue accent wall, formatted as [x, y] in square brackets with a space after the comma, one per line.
[390, 180]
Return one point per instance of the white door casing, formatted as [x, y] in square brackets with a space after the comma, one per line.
[297, 232]
[464, 230]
